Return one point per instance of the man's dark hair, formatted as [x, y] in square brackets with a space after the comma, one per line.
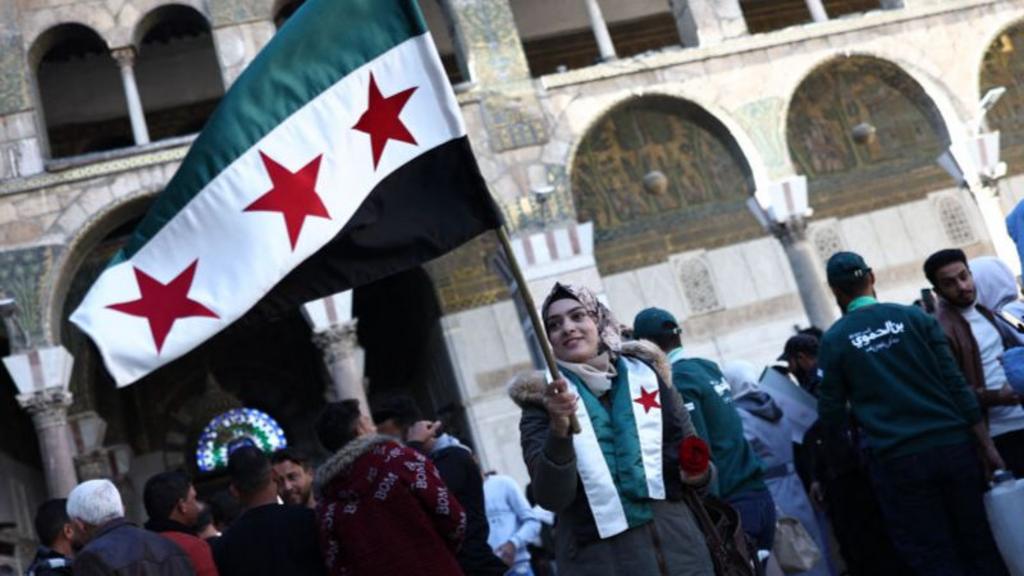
[225, 508]
[399, 407]
[249, 469]
[801, 343]
[51, 517]
[336, 425]
[293, 455]
[162, 493]
[940, 259]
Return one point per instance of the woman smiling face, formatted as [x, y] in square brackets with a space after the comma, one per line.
[572, 331]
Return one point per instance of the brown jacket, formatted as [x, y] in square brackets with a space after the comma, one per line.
[965, 348]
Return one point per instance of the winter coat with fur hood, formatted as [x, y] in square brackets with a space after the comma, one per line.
[671, 544]
[383, 509]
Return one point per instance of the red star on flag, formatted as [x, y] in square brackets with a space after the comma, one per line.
[164, 304]
[293, 195]
[381, 119]
[648, 400]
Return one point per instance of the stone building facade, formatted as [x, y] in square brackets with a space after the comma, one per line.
[622, 141]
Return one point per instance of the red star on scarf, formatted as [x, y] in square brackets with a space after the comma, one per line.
[164, 304]
[648, 400]
[293, 195]
[381, 119]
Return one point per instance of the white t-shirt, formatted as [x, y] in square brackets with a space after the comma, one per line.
[1001, 419]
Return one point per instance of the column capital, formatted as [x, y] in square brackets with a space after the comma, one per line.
[124, 55]
[338, 341]
[48, 408]
[791, 231]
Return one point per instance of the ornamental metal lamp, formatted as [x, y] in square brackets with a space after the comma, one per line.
[781, 203]
[782, 209]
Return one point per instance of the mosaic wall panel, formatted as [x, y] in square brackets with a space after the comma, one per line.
[897, 165]
[21, 273]
[1004, 66]
[514, 120]
[13, 81]
[490, 37]
[703, 205]
[464, 278]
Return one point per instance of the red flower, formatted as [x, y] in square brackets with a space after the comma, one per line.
[694, 455]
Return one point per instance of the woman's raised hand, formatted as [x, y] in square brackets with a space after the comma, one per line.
[560, 404]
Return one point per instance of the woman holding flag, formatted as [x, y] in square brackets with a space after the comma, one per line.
[616, 486]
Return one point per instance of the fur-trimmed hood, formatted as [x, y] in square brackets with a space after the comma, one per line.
[527, 388]
[343, 459]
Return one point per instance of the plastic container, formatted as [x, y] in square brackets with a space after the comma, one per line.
[1004, 504]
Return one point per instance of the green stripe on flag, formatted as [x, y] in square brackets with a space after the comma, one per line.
[324, 41]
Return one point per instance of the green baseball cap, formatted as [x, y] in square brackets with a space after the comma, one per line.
[653, 322]
[845, 266]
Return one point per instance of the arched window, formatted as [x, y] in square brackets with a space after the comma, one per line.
[177, 71]
[558, 36]
[80, 90]
[658, 176]
[768, 15]
[866, 135]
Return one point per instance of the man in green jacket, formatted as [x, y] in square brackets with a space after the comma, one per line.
[892, 366]
[709, 400]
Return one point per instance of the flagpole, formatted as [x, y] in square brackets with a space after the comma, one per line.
[538, 327]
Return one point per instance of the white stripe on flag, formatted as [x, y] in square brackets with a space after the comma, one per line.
[602, 495]
[648, 425]
[242, 255]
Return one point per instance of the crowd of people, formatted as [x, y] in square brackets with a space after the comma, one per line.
[915, 411]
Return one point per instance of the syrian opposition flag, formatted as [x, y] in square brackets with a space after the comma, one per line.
[337, 158]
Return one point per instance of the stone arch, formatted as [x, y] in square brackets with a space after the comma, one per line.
[702, 203]
[156, 11]
[79, 92]
[1002, 64]
[566, 140]
[910, 122]
[86, 237]
[177, 70]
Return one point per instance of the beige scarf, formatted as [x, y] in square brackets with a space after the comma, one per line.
[597, 373]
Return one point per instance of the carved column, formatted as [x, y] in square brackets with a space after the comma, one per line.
[818, 304]
[343, 357]
[703, 22]
[49, 410]
[600, 28]
[126, 61]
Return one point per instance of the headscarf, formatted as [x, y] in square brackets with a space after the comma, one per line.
[598, 372]
[607, 326]
[741, 376]
[994, 282]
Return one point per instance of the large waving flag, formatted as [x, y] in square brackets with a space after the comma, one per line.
[337, 158]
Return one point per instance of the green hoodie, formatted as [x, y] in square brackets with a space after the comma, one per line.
[709, 400]
[893, 365]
